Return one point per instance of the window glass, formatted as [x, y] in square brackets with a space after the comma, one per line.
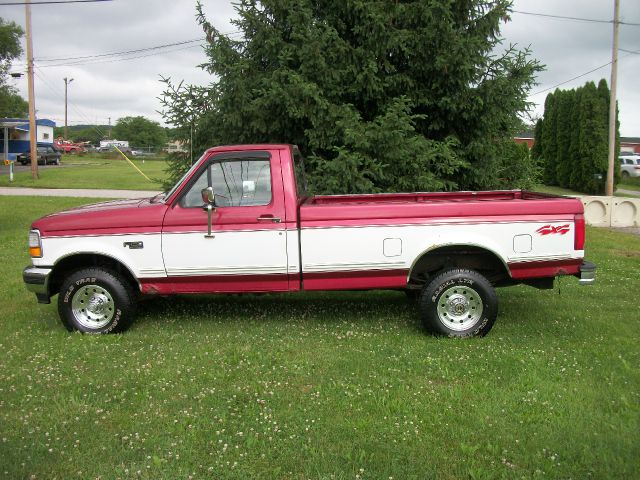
[42, 149]
[236, 183]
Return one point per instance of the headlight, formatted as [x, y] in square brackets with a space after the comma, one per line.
[35, 245]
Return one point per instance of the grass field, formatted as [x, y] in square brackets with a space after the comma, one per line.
[94, 172]
[335, 385]
[630, 184]
[566, 191]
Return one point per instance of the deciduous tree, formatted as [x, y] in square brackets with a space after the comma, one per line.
[11, 104]
[140, 132]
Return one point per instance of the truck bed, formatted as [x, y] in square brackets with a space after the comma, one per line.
[432, 205]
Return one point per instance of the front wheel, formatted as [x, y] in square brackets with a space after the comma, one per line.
[458, 303]
[94, 300]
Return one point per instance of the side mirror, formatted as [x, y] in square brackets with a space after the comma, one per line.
[208, 196]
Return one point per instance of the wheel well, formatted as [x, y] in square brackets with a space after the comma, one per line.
[84, 260]
[479, 259]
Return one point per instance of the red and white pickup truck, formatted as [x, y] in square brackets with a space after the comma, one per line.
[238, 221]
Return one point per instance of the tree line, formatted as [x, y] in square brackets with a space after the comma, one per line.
[571, 140]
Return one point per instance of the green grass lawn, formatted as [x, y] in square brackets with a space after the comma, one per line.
[94, 172]
[325, 385]
[630, 184]
[566, 191]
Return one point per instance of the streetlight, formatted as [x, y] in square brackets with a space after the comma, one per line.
[67, 81]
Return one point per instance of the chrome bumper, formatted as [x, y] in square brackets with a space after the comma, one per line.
[587, 273]
[36, 280]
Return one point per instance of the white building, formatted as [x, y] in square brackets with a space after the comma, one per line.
[18, 132]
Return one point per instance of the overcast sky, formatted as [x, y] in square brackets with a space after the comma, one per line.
[118, 85]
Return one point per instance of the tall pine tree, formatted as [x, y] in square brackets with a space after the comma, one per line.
[549, 139]
[379, 95]
[574, 138]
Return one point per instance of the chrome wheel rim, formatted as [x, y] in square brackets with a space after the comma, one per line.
[460, 308]
[92, 306]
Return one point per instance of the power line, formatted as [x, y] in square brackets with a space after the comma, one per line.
[42, 77]
[49, 2]
[571, 79]
[117, 59]
[633, 52]
[124, 52]
[580, 76]
[579, 19]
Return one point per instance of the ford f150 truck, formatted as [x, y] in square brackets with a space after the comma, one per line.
[239, 221]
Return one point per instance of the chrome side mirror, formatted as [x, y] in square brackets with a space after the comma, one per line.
[209, 199]
[208, 196]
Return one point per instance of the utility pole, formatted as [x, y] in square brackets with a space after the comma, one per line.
[109, 128]
[32, 96]
[67, 81]
[612, 101]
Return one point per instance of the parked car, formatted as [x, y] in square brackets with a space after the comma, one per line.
[629, 166]
[69, 148]
[239, 221]
[46, 155]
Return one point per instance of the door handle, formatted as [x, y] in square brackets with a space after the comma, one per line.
[268, 218]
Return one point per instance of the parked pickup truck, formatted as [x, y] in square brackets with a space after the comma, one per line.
[239, 221]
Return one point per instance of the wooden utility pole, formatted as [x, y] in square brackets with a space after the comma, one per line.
[67, 81]
[612, 101]
[33, 140]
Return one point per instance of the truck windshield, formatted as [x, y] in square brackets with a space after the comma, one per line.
[184, 177]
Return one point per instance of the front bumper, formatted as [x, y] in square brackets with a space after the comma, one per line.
[36, 280]
[587, 273]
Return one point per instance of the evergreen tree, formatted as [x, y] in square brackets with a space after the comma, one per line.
[574, 145]
[605, 96]
[549, 136]
[379, 95]
[593, 141]
[536, 150]
[564, 162]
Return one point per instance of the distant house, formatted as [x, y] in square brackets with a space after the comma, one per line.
[175, 146]
[525, 137]
[18, 133]
[630, 144]
[627, 144]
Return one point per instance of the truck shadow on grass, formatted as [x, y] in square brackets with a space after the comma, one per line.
[313, 308]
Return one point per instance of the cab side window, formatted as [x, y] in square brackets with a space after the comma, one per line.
[236, 183]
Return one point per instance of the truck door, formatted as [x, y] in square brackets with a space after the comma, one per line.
[247, 250]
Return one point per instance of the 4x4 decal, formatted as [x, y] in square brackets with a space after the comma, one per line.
[550, 229]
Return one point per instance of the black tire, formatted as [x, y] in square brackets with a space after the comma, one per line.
[458, 303]
[110, 298]
[625, 175]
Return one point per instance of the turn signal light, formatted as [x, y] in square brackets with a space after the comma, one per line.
[35, 245]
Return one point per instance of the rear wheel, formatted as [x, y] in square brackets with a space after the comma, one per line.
[94, 300]
[625, 175]
[458, 303]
